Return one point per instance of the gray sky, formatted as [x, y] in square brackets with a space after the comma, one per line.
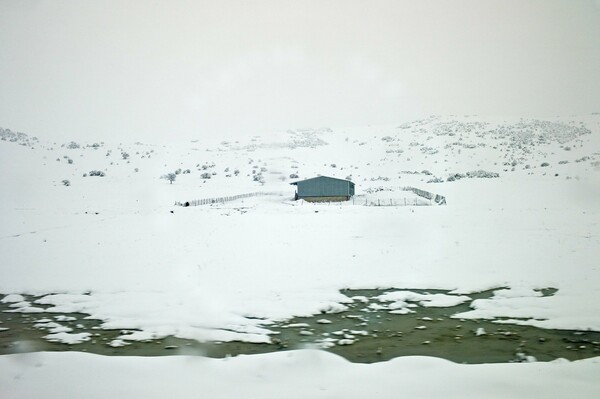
[186, 69]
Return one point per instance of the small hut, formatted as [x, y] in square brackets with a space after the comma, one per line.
[323, 189]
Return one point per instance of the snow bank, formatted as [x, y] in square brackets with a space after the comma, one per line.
[114, 246]
[294, 374]
[209, 273]
[400, 299]
[13, 298]
[68, 338]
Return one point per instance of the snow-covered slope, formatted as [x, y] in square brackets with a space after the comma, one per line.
[522, 214]
[117, 239]
[434, 149]
[294, 374]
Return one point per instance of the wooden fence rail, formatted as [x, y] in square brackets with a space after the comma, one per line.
[438, 199]
[389, 202]
[221, 200]
[367, 200]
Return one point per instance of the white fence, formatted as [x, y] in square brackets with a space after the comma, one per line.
[438, 199]
[221, 200]
[371, 200]
[426, 198]
[382, 201]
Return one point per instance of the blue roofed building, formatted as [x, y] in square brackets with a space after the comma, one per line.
[323, 189]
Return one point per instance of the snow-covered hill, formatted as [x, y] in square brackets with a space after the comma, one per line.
[507, 182]
[432, 150]
[92, 227]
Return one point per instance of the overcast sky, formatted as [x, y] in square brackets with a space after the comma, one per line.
[187, 69]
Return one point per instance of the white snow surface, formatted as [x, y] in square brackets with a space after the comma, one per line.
[400, 299]
[116, 248]
[111, 247]
[68, 338]
[13, 298]
[293, 374]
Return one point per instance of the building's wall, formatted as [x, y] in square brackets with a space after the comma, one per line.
[324, 187]
[326, 199]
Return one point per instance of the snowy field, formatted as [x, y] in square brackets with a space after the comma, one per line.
[522, 215]
[295, 374]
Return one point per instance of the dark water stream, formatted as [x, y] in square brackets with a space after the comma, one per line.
[363, 333]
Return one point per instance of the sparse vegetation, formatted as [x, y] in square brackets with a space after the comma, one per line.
[259, 178]
[480, 174]
[170, 177]
[98, 173]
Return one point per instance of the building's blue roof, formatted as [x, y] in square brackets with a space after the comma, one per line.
[320, 177]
